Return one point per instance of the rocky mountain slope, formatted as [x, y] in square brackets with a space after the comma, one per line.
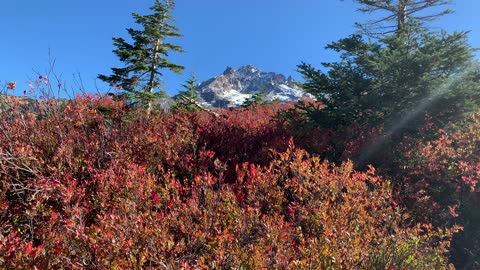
[234, 86]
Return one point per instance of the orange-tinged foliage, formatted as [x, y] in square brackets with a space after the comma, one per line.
[441, 184]
[94, 184]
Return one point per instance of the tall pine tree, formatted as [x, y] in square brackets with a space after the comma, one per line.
[146, 57]
[412, 71]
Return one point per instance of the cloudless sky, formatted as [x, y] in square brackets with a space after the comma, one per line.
[274, 35]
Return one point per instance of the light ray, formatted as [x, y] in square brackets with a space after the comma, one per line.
[422, 105]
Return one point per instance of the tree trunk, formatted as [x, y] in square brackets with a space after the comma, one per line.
[402, 16]
[152, 73]
[154, 66]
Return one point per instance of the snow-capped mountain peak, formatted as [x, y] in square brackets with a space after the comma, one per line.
[234, 86]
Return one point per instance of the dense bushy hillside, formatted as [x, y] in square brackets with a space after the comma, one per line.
[94, 184]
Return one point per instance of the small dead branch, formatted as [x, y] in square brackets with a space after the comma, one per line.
[201, 107]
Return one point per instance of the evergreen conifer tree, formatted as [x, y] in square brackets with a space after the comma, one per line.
[412, 71]
[255, 100]
[185, 99]
[146, 57]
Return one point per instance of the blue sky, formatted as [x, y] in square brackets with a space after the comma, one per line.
[274, 35]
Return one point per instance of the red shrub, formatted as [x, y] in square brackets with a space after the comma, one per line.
[94, 185]
[441, 183]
